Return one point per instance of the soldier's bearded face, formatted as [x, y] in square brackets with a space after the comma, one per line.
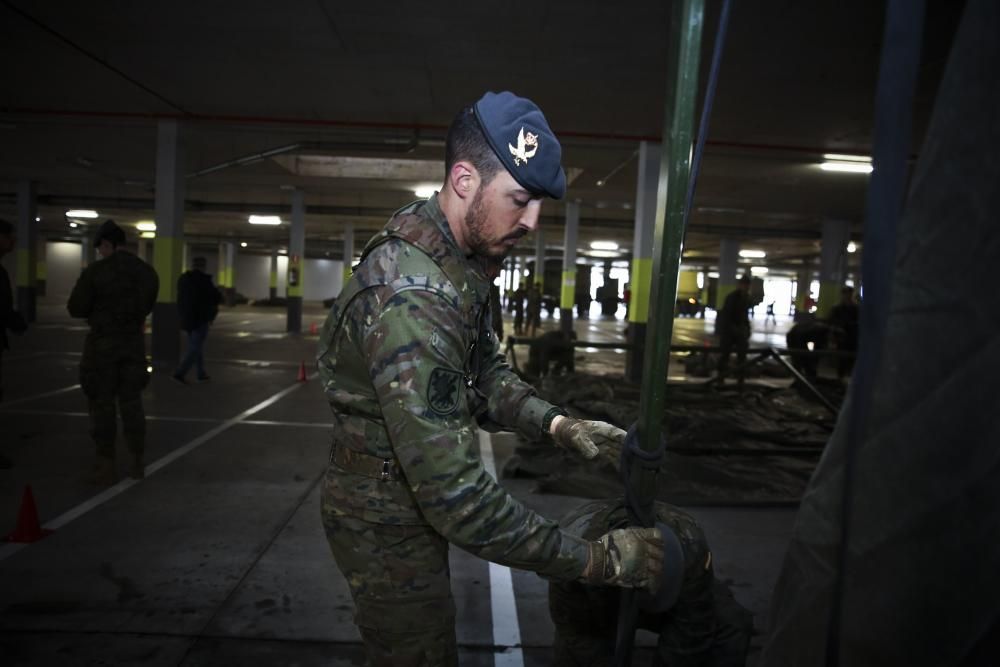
[499, 215]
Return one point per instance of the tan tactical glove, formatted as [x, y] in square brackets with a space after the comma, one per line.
[626, 557]
[587, 438]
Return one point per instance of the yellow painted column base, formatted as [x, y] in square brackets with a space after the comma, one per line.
[640, 284]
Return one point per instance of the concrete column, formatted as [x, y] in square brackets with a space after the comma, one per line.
[296, 263]
[185, 257]
[230, 273]
[42, 272]
[169, 246]
[27, 248]
[539, 277]
[832, 264]
[641, 275]
[568, 296]
[729, 261]
[86, 251]
[802, 280]
[220, 274]
[348, 252]
[273, 283]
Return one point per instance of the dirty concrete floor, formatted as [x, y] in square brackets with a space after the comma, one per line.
[218, 556]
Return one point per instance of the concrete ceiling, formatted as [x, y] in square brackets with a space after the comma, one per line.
[85, 83]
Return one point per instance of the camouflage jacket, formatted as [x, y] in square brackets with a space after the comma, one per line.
[115, 294]
[410, 363]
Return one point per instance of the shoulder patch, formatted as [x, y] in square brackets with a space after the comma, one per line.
[443, 390]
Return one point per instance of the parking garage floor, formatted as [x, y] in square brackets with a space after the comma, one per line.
[218, 556]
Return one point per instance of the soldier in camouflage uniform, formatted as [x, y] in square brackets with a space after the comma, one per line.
[705, 627]
[115, 294]
[411, 368]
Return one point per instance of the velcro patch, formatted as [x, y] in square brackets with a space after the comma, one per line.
[444, 390]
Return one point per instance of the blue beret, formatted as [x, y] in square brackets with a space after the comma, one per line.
[521, 138]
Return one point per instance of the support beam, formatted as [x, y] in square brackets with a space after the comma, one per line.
[642, 257]
[272, 291]
[169, 245]
[729, 259]
[27, 248]
[348, 252]
[568, 296]
[296, 263]
[833, 264]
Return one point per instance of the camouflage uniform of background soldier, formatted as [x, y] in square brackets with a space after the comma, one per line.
[705, 627]
[411, 366]
[115, 294]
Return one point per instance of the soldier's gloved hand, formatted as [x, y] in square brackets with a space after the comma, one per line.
[587, 438]
[626, 557]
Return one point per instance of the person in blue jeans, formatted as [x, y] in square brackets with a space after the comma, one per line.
[198, 303]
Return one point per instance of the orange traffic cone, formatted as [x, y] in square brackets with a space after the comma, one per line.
[312, 329]
[302, 372]
[28, 528]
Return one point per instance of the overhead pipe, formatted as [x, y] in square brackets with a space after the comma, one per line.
[293, 121]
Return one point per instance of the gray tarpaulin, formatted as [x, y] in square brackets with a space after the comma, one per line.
[923, 569]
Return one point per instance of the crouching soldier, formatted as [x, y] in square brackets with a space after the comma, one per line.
[704, 627]
[552, 347]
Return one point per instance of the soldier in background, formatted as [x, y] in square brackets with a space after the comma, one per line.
[197, 304]
[733, 327]
[844, 328]
[9, 318]
[705, 626]
[411, 369]
[534, 310]
[115, 294]
[552, 347]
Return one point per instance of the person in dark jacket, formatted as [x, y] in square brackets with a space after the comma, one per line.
[115, 294]
[198, 303]
[9, 318]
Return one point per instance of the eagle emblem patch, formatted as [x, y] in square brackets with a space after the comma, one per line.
[444, 390]
[527, 146]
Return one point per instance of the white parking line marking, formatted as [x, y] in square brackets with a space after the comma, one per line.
[11, 548]
[506, 630]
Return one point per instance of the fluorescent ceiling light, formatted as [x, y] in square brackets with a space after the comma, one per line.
[37, 219]
[73, 225]
[852, 247]
[264, 220]
[243, 244]
[425, 191]
[146, 226]
[753, 254]
[603, 253]
[604, 245]
[81, 213]
[851, 167]
[713, 274]
[147, 235]
[758, 269]
[282, 251]
[838, 157]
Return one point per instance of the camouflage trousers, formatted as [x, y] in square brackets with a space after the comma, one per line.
[113, 375]
[400, 582]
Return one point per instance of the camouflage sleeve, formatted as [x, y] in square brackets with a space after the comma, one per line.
[415, 352]
[81, 299]
[512, 402]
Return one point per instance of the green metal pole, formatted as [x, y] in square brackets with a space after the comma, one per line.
[675, 169]
[668, 239]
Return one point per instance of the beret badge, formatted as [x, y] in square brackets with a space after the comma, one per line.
[527, 146]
